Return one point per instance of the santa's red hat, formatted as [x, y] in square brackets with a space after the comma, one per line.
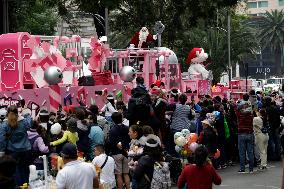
[193, 54]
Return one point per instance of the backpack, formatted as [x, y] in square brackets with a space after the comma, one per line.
[161, 176]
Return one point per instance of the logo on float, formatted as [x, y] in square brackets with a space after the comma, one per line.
[5, 102]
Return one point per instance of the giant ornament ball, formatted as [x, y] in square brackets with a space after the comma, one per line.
[127, 74]
[53, 75]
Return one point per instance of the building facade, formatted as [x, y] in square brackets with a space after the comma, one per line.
[259, 7]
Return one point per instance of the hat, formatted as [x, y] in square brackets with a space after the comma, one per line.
[205, 121]
[44, 112]
[150, 140]
[55, 129]
[69, 151]
[72, 123]
[3, 112]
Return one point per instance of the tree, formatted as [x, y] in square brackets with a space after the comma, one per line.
[34, 16]
[271, 34]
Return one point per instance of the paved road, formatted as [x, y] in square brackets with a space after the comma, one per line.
[269, 179]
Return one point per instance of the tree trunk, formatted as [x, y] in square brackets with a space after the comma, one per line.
[277, 63]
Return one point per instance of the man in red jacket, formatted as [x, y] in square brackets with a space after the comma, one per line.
[245, 133]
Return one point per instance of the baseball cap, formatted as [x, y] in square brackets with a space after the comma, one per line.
[69, 151]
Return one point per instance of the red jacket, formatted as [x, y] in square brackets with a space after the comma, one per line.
[199, 178]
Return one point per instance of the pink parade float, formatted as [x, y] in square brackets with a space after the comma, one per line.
[38, 72]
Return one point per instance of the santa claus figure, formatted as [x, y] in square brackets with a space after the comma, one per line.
[196, 70]
[143, 38]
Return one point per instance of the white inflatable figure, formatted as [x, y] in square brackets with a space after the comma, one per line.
[196, 70]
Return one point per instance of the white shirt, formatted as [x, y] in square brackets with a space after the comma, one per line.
[108, 109]
[107, 174]
[76, 175]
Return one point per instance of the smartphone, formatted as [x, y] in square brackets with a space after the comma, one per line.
[99, 93]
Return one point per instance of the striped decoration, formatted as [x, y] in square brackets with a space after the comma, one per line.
[54, 97]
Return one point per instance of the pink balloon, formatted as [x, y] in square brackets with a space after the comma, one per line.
[193, 146]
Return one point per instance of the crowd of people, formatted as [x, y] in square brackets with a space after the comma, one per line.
[132, 145]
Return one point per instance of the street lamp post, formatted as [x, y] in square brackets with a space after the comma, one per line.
[229, 45]
[5, 18]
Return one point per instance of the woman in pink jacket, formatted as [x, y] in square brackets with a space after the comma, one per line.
[37, 136]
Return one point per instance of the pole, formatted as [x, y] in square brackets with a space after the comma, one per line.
[106, 23]
[5, 17]
[229, 45]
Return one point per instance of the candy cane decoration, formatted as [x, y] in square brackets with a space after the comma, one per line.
[54, 97]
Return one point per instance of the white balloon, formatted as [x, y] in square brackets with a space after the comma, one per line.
[177, 134]
[185, 132]
[180, 141]
[127, 74]
[177, 148]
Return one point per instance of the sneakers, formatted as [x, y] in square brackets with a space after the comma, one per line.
[262, 168]
[241, 171]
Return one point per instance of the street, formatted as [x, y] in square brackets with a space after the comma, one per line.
[269, 179]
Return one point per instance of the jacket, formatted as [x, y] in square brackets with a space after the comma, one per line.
[208, 138]
[201, 178]
[67, 137]
[83, 131]
[38, 143]
[145, 167]
[245, 118]
[119, 133]
[17, 140]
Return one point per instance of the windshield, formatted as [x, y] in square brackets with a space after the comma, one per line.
[273, 81]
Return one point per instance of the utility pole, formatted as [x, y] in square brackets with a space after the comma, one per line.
[106, 23]
[229, 45]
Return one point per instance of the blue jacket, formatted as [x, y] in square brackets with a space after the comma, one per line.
[18, 140]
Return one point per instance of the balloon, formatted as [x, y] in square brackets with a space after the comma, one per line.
[177, 134]
[127, 74]
[185, 132]
[180, 141]
[193, 138]
[53, 75]
[177, 148]
[193, 146]
[217, 154]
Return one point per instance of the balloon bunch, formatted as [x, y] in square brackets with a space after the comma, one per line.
[186, 142]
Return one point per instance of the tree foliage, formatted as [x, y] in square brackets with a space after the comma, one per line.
[34, 16]
[271, 35]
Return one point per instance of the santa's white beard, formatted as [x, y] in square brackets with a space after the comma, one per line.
[142, 37]
[197, 70]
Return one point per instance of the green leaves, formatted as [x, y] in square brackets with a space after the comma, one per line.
[34, 16]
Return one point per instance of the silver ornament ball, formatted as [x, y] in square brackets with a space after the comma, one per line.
[127, 74]
[53, 75]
